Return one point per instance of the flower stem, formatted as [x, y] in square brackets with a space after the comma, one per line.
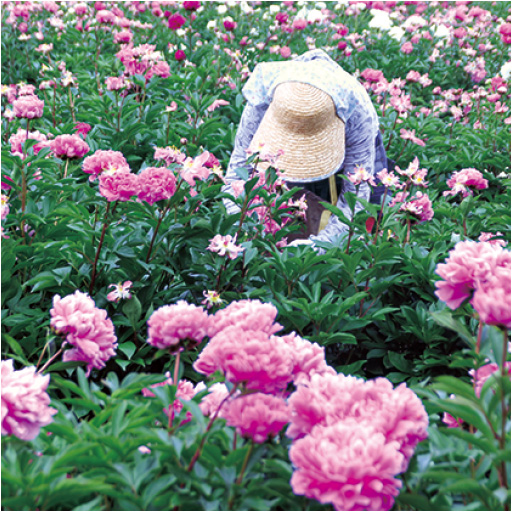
[58, 353]
[161, 217]
[379, 216]
[66, 169]
[102, 238]
[71, 105]
[209, 426]
[176, 369]
[246, 461]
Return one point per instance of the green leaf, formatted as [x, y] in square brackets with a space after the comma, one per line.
[446, 319]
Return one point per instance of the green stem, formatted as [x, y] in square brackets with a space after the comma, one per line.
[162, 215]
[102, 238]
[58, 353]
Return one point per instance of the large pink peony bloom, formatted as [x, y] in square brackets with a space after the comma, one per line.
[347, 464]
[25, 403]
[308, 358]
[17, 139]
[156, 184]
[104, 160]
[28, 107]
[251, 358]
[257, 416]
[69, 146]
[178, 326]
[420, 207]
[397, 413]
[468, 264]
[251, 315]
[119, 185]
[465, 182]
[87, 327]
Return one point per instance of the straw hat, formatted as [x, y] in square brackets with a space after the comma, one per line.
[302, 121]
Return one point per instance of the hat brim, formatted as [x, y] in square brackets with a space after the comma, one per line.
[307, 156]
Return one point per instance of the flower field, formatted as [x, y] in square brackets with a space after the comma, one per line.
[162, 353]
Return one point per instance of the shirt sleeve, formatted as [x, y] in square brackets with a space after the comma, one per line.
[249, 122]
[360, 135]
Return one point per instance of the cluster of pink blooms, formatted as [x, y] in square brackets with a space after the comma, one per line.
[420, 207]
[28, 106]
[481, 272]
[18, 139]
[87, 330]
[143, 60]
[25, 402]
[465, 182]
[69, 146]
[225, 246]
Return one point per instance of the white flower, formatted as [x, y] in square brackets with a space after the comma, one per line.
[506, 70]
[380, 20]
[396, 33]
[315, 15]
[222, 9]
[212, 24]
[274, 9]
[414, 21]
[441, 31]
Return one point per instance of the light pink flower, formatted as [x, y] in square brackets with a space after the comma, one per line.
[468, 263]
[465, 182]
[69, 146]
[407, 47]
[119, 186]
[156, 184]
[420, 207]
[178, 326]
[102, 160]
[349, 465]
[216, 104]
[87, 329]
[360, 175]
[492, 298]
[411, 135]
[121, 291]
[144, 449]
[4, 206]
[115, 83]
[17, 139]
[28, 107]
[482, 374]
[25, 403]
[169, 155]
[195, 168]
[159, 68]
[83, 129]
[251, 315]
[257, 416]
[211, 402]
[308, 359]
[388, 179]
[489, 237]
[250, 358]
[225, 246]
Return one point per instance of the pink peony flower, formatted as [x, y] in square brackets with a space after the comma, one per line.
[229, 24]
[180, 55]
[176, 21]
[373, 75]
[308, 359]
[87, 329]
[420, 207]
[177, 327]
[407, 47]
[211, 402]
[468, 264]
[257, 416]
[195, 168]
[69, 146]
[490, 237]
[492, 298]
[25, 403]
[251, 315]
[121, 291]
[156, 184]
[170, 155]
[299, 24]
[482, 374]
[411, 135]
[83, 129]
[17, 140]
[28, 107]
[225, 246]
[216, 104]
[251, 358]
[465, 182]
[125, 36]
[102, 160]
[119, 186]
[349, 465]
[115, 83]
[191, 5]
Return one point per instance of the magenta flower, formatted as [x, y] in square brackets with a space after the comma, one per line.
[465, 182]
[492, 298]
[420, 207]
[372, 75]
[177, 327]
[250, 358]
[83, 129]
[156, 184]
[225, 246]
[119, 185]
[69, 146]
[121, 291]
[179, 55]
[25, 403]
[191, 5]
[257, 416]
[347, 464]
[251, 315]
[87, 329]
[469, 263]
[176, 21]
[28, 107]
[229, 24]
[102, 160]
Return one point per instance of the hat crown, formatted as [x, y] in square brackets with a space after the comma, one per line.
[302, 108]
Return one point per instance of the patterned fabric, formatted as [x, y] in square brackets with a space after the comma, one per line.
[363, 143]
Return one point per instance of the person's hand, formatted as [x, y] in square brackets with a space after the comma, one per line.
[299, 241]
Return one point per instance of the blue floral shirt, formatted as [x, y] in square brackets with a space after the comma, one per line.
[363, 146]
